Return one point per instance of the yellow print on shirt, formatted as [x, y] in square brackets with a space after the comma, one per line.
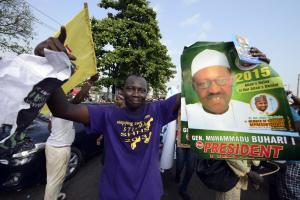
[137, 131]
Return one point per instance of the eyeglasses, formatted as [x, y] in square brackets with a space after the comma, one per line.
[207, 83]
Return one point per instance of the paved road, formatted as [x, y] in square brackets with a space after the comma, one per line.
[84, 186]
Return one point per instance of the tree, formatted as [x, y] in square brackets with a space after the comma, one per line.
[16, 22]
[133, 38]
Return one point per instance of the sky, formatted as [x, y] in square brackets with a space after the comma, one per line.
[272, 26]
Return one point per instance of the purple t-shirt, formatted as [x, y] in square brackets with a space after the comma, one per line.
[131, 141]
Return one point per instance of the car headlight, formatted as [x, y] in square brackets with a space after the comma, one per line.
[21, 161]
[28, 152]
[26, 156]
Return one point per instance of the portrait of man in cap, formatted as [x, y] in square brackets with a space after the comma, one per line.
[261, 103]
[212, 82]
[264, 104]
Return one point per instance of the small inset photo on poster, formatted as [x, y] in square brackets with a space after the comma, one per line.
[264, 104]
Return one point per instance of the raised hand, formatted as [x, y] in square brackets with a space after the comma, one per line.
[54, 44]
[257, 53]
[94, 78]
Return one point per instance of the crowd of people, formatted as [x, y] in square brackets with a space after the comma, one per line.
[130, 130]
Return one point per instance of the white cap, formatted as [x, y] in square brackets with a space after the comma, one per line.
[208, 58]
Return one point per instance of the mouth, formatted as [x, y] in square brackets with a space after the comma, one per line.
[216, 98]
[215, 104]
[136, 101]
[133, 103]
[263, 109]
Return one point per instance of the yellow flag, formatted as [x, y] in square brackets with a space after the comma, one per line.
[80, 43]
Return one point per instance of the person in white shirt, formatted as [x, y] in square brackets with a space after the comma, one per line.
[58, 148]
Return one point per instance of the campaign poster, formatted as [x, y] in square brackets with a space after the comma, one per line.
[235, 110]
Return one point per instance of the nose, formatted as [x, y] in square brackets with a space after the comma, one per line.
[214, 88]
[265, 104]
[135, 92]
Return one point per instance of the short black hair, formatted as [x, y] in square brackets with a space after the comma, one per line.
[137, 76]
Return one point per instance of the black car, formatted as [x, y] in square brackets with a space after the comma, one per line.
[28, 167]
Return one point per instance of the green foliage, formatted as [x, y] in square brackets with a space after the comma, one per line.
[135, 48]
[16, 29]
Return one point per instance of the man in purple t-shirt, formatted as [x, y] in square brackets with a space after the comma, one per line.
[131, 166]
[131, 169]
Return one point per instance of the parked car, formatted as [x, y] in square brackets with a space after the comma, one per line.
[27, 166]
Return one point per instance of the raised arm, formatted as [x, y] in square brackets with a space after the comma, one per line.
[83, 93]
[55, 44]
[60, 107]
[257, 53]
[57, 103]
